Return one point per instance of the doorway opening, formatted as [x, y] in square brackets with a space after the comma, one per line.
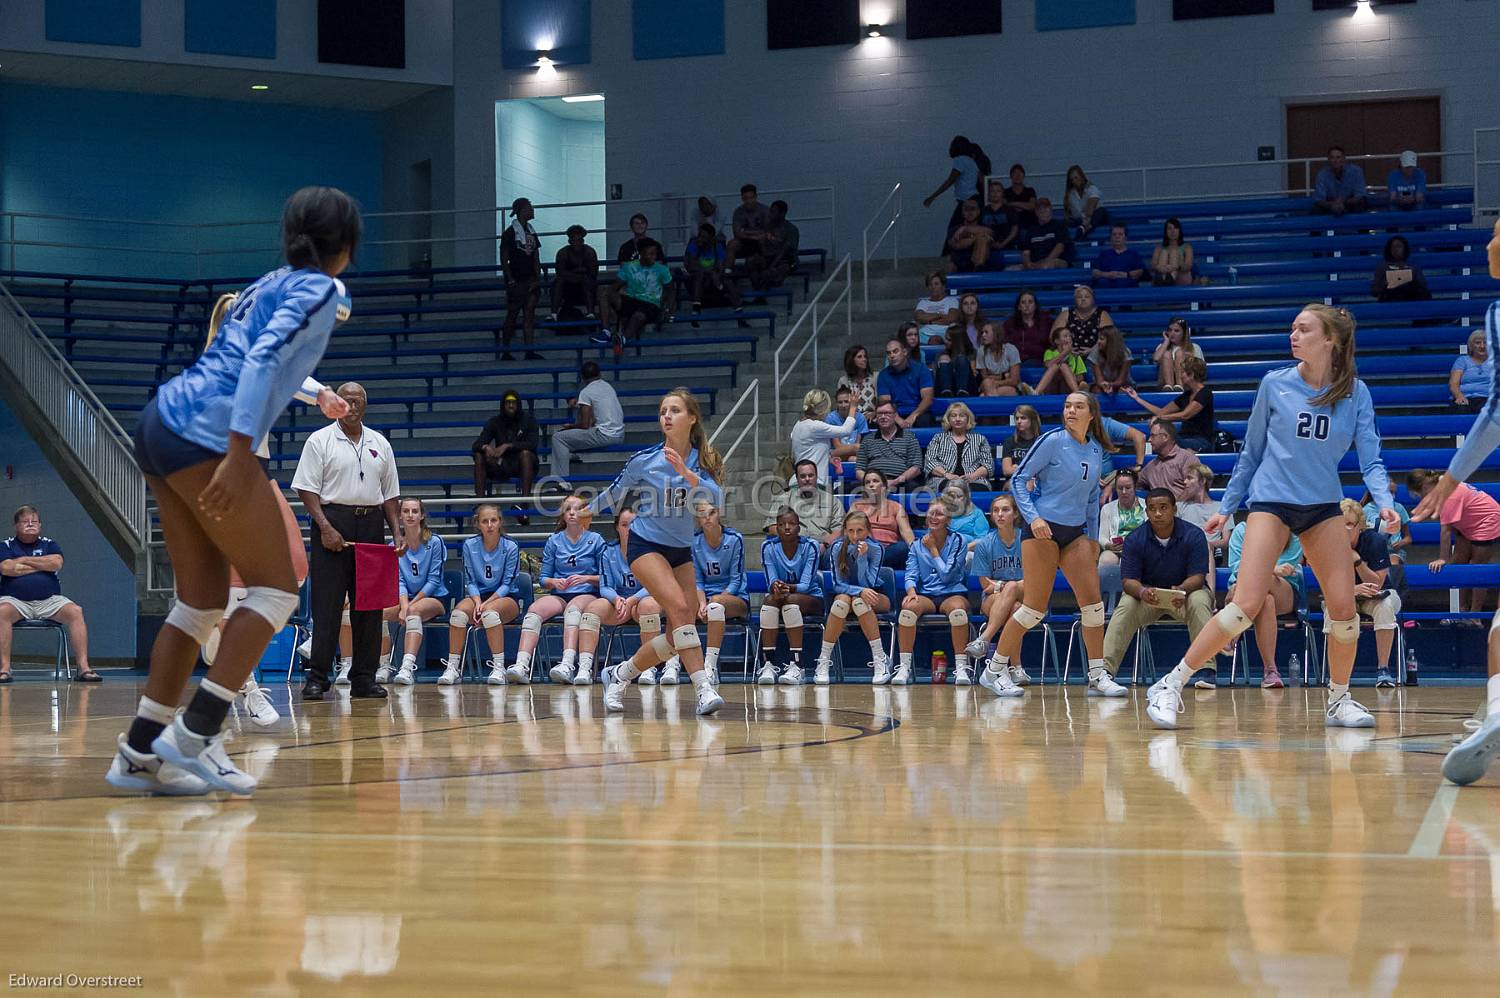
[551, 150]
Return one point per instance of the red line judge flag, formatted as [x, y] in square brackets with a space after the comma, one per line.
[375, 577]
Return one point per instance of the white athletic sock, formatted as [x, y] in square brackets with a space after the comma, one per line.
[586, 663]
[701, 679]
[960, 660]
[825, 651]
[1492, 688]
[794, 658]
[523, 659]
[1180, 674]
[451, 662]
[411, 661]
[626, 671]
[345, 663]
[1336, 690]
[569, 657]
[1096, 665]
[906, 660]
[998, 664]
[711, 658]
[877, 650]
[385, 660]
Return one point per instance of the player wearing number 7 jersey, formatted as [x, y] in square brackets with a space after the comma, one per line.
[1304, 420]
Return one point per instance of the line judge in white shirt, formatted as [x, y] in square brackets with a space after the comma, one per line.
[346, 477]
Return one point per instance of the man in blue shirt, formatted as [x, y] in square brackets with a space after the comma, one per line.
[29, 590]
[1340, 186]
[1407, 186]
[908, 384]
[1163, 570]
[1118, 266]
[848, 447]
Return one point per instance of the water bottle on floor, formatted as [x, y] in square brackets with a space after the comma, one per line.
[939, 668]
[1294, 669]
[1411, 666]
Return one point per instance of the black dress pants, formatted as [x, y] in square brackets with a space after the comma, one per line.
[331, 578]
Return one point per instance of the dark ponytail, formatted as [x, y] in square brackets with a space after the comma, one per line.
[318, 223]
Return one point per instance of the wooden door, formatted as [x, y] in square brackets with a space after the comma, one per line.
[1365, 127]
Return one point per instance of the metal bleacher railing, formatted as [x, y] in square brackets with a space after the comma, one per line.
[750, 429]
[814, 321]
[889, 213]
[1486, 175]
[99, 447]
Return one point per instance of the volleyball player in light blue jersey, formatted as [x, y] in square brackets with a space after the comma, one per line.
[670, 480]
[421, 591]
[723, 592]
[1469, 759]
[490, 597]
[1303, 422]
[572, 564]
[937, 581]
[195, 442]
[997, 562]
[795, 592]
[621, 598]
[855, 558]
[1059, 524]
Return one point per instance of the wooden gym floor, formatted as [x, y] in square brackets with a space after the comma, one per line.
[846, 840]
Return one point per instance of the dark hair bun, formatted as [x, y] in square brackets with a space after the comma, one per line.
[317, 224]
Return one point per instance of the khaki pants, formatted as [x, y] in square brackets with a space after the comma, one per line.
[1131, 615]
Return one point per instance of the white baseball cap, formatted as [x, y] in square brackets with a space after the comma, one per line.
[1408, 158]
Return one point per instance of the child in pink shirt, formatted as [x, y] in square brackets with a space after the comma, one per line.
[1470, 522]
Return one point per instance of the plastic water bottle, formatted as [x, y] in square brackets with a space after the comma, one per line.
[1411, 666]
[1294, 668]
[939, 668]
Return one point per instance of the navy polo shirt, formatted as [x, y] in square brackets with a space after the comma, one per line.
[904, 387]
[1126, 261]
[1164, 566]
[36, 585]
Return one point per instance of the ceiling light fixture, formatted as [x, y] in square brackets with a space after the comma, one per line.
[873, 31]
[583, 99]
[260, 86]
[1364, 11]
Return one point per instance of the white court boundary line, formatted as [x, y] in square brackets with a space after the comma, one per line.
[759, 845]
[1428, 841]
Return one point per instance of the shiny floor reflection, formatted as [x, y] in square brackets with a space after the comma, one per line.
[837, 840]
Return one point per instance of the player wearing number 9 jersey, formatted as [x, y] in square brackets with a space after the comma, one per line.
[1304, 421]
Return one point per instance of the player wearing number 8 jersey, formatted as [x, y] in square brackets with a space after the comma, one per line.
[1305, 418]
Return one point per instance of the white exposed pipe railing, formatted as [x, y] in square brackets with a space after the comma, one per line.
[1486, 175]
[751, 427]
[893, 201]
[81, 422]
[815, 323]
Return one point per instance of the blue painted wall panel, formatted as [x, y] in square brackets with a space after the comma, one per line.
[667, 29]
[230, 27]
[562, 27]
[1053, 15]
[95, 22]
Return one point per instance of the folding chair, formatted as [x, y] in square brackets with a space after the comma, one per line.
[887, 586]
[1296, 620]
[819, 622]
[62, 666]
[926, 621]
[524, 594]
[301, 625]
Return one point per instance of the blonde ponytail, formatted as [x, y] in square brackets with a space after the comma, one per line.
[1338, 326]
[216, 317]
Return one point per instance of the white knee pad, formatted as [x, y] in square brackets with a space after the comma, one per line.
[414, 623]
[859, 606]
[958, 618]
[489, 618]
[531, 624]
[196, 624]
[572, 617]
[662, 646]
[907, 618]
[274, 606]
[1027, 617]
[458, 619]
[716, 612]
[839, 609]
[652, 622]
[589, 622]
[770, 618]
[791, 615]
[1092, 615]
[685, 637]
[344, 618]
[1343, 631]
[1232, 620]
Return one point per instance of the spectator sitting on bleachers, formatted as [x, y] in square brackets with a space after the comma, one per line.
[575, 294]
[969, 164]
[630, 249]
[1118, 266]
[600, 422]
[997, 363]
[969, 240]
[891, 449]
[1172, 467]
[1194, 408]
[1340, 186]
[964, 518]
[1286, 586]
[779, 243]
[748, 225]
[1398, 542]
[1374, 596]
[1066, 371]
[1397, 278]
[1084, 319]
[813, 437]
[1020, 200]
[1026, 427]
[705, 261]
[1469, 525]
[1046, 245]
[1176, 343]
[1028, 328]
[958, 453]
[521, 265]
[956, 373]
[910, 334]
[642, 295]
[858, 377]
[1172, 259]
[1111, 361]
[995, 215]
[889, 523]
[819, 512]
[1406, 186]
[846, 447]
[1472, 374]
[908, 384]
[937, 311]
[1117, 518]
[30, 590]
[1199, 507]
[1082, 204]
[506, 448]
[708, 214]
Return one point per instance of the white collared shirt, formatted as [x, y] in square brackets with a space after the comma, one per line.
[346, 472]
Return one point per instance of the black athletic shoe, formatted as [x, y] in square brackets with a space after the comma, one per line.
[314, 688]
[371, 691]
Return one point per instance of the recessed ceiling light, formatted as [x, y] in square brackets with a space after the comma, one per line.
[260, 86]
[583, 99]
